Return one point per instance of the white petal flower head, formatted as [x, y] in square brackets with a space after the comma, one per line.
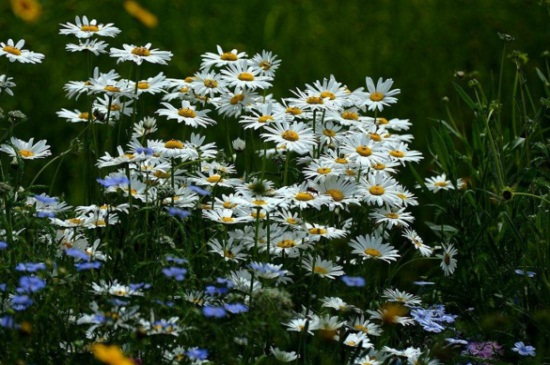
[437, 183]
[26, 150]
[90, 45]
[86, 29]
[6, 84]
[187, 114]
[138, 54]
[14, 52]
[380, 95]
[221, 58]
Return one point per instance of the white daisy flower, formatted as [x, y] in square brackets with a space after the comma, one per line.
[225, 216]
[6, 84]
[221, 59]
[86, 29]
[283, 356]
[371, 247]
[89, 45]
[408, 300]
[448, 260]
[392, 216]
[151, 85]
[316, 231]
[296, 137]
[262, 115]
[380, 95]
[438, 183]
[417, 242]
[138, 54]
[111, 106]
[267, 62]
[362, 150]
[332, 92]
[26, 150]
[379, 188]
[241, 75]
[208, 83]
[187, 114]
[365, 326]
[324, 268]
[230, 250]
[14, 52]
[358, 339]
[402, 154]
[75, 116]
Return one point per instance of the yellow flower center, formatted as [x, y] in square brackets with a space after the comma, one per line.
[214, 179]
[324, 170]
[373, 252]
[229, 205]
[265, 65]
[26, 153]
[375, 137]
[360, 327]
[341, 160]
[84, 115]
[173, 144]
[228, 254]
[259, 202]
[402, 196]
[12, 50]
[254, 214]
[290, 136]
[350, 115]
[382, 121]
[335, 194]
[189, 79]
[363, 151]
[329, 133]
[286, 244]
[210, 83]
[441, 184]
[376, 190]
[236, 99]
[294, 110]
[141, 51]
[376, 96]
[303, 196]
[187, 113]
[396, 153]
[228, 56]
[314, 100]
[265, 119]
[227, 219]
[100, 223]
[328, 94]
[392, 215]
[161, 174]
[320, 270]
[351, 343]
[350, 172]
[184, 89]
[112, 89]
[89, 28]
[291, 220]
[115, 107]
[246, 76]
[76, 221]
[378, 166]
[143, 85]
[317, 230]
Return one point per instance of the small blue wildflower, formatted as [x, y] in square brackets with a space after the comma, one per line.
[7, 322]
[117, 302]
[423, 283]
[145, 150]
[215, 312]
[527, 273]
[235, 308]
[45, 214]
[30, 284]
[113, 181]
[30, 266]
[176, 260]
[180, 213]
[3, 286]
[198, 190]
[21, 302]
[90, 265]
[138, 286]
[225, 282]
[196, 353]
[212, 290]
[523, 350]
[353, 281]
[77, 254]
[178, 273]
[46, 199]
[3, 245]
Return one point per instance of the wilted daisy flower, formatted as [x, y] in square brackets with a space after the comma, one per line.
[14, 52]
[26, 150]
[89, 45]
[138, 54]
[448, 261]
[371, 247]
[338, 304]
[439, 182]
[296, 137]
[6, 84]
[221, 59]
[315, 265]
[380, 95]
[187, 114]
[283, 356]
[417, 242]
[86, 29]
[402, 297]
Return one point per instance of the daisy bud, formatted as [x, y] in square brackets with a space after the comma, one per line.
[239, 145]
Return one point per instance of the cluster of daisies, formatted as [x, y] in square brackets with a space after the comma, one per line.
[339, 158]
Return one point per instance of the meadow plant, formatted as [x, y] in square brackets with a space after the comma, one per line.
[283, 233]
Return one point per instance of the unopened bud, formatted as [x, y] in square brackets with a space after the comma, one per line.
[239, 145]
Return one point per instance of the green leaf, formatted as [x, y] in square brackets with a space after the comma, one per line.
[464, 96]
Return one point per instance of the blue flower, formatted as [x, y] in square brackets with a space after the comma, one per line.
[30, 284]
[523, 350]
[21, 302]
[46, 199]
[45, 214]
[30, 266]
[235, 308]
[145, 150]
[178, 273]
[177, 260]
[215, 312]
[7, 322]
[196, 353]
[113, 181]
[353, 281]
[3, 245]
[78, 254]
[180, 213]
[3, 286]
[198, 190]
[87, 265]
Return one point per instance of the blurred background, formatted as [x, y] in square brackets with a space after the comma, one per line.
[421, 44]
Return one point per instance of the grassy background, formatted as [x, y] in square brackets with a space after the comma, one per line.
[418, 43]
